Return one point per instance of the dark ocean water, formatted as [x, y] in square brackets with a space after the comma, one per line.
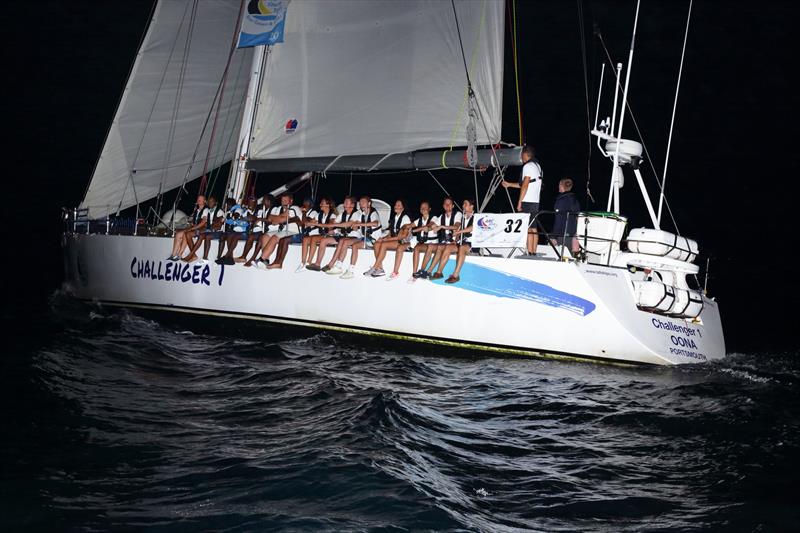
[115, 421]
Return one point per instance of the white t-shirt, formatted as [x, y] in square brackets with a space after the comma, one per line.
[403, 220]
[261, 214]
[532, 170]
[453, 220]
[362, 217]
[343, 217]
[312, 214]
[207, 214]
[290, 229]
[431, 235]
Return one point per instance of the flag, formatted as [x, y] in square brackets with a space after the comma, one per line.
[262, 22]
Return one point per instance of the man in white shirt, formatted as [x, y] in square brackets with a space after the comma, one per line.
[530, 188]
[366, 229]
[258, 228]
[213, 219]
[284, 224]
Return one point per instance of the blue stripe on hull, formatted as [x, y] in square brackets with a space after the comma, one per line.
[484, 280]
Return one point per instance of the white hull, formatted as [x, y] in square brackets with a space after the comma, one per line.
[536, 307]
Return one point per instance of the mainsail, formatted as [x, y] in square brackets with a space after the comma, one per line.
[379, 77]
[353, 77]
[166, 103]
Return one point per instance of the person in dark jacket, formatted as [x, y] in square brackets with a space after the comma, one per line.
[566, 218]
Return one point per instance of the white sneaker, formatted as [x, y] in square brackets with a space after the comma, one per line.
[202, 262]
[300, 268]
[412, 279]
[348, 274]
[393, 276]
[335, 271]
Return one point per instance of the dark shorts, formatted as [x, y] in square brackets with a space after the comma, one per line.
[532, 209]
[213, 234]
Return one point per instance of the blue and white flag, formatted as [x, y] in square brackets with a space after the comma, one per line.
[262, 22]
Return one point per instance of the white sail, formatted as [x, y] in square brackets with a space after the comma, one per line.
[156, 130]
[379, 77]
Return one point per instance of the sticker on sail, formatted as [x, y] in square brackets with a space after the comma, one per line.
[291, 126]
[492, 282]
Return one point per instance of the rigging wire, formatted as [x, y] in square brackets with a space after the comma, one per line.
[639, 133]
[581, 29]
[177, 104]
[122, 94]
[182, 188]
[674, 107]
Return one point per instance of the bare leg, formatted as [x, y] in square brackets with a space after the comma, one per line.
[304, 247]
[463, 250]
[399, 252]
[356, 246]
[323, 243]
[534, 241]
[437, 257]
[418, 249]
[445, 256]
[431, 251]
[283, 247]
[247, 245]
[269, 247]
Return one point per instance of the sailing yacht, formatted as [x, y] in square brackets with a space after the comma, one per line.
[369, 86]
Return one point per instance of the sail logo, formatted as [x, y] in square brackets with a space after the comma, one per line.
[291, 126]
[259, 10]
[486, 223]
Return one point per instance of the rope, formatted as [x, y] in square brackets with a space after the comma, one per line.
[208, 117]
[234, 39]
[177, 104]
[674, 108]
[468, 92]
[581, 28]
[216, 172]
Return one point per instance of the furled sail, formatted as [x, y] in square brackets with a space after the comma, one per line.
[167, 101]
[379, 77]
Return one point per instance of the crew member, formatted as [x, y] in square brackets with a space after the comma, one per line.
[530, 187]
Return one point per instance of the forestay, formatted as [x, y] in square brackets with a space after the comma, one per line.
[379, 77]
[157, 128]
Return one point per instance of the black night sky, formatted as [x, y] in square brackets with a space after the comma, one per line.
[733, 168]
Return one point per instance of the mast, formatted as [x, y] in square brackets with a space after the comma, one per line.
[238, 175]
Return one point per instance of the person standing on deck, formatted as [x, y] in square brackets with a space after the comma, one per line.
[530, 188]
[565, 225]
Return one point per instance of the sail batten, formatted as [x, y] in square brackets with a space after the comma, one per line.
[374, 77]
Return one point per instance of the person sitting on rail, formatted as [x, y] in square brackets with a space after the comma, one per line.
[338, 230]
[425, 236]
[365, 229]
[463, 241]
[449, 221]
[185, 238]
[565, 224]
[316, 229]
[397, 239]
[238, 222]
[213, 219]
[293, 238]
[286, 223]
[257, 228]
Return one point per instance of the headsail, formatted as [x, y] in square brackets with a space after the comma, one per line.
[157, 128]
[379, 77]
